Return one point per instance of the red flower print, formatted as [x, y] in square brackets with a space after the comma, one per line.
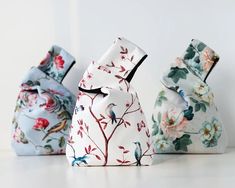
[29, 98]
[41, 123]
[59, 62]
[50, 103]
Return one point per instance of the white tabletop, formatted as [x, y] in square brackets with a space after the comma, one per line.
[168, 171]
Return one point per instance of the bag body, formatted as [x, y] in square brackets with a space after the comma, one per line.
[109, 126]
[44, 107]
[185, 117]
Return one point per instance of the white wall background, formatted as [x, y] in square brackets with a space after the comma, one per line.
[87, 28]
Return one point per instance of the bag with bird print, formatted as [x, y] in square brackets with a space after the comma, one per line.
[44, 107]
[109, 126]
[185, 118]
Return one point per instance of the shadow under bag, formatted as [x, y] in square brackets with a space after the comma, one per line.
[44, 107]
[109, 126]
[185, 117]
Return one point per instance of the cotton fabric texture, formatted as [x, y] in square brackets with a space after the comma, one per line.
[44, 107]
[185, 118]
[109, 126]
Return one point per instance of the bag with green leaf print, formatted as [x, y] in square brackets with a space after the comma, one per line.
[44, 107]
[185, 117]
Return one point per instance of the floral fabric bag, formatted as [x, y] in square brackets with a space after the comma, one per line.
[108, 126]
[185, 117]
[44, 107]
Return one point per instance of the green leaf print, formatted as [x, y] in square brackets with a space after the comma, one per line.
[177, 73]
[197, 59]
[61, 141]
[48, 148]
[156, 124]
[188, 114]
[159, 117]
[190, 53]
[161, 97]
[203, 107]
[182, 143]
[200, 105]
[201, 46]
[49, 140]
[197, 107]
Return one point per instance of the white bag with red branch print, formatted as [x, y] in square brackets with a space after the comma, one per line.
[44, 107]
[108, 126]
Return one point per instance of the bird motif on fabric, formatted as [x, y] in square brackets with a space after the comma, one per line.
[78, 109]
[64, 114]
[56, 128]
[138, 153]
[110, 113]
[79, 160]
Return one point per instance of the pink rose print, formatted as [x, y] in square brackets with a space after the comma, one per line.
[173, 123]
[41, 123]
[59, 62]
[51, 103]
[207, 56]
[29, 98]
[32, 99]
[178, 62]
[16, 135]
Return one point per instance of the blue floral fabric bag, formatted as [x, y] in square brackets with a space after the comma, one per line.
[44, 107]
[185, 117]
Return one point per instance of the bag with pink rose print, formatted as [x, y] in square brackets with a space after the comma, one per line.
[108, 126]
[185, 117]
[44, 107]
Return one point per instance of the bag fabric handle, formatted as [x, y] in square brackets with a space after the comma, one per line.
[200, 58]
[57, 63]
[116, 67]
